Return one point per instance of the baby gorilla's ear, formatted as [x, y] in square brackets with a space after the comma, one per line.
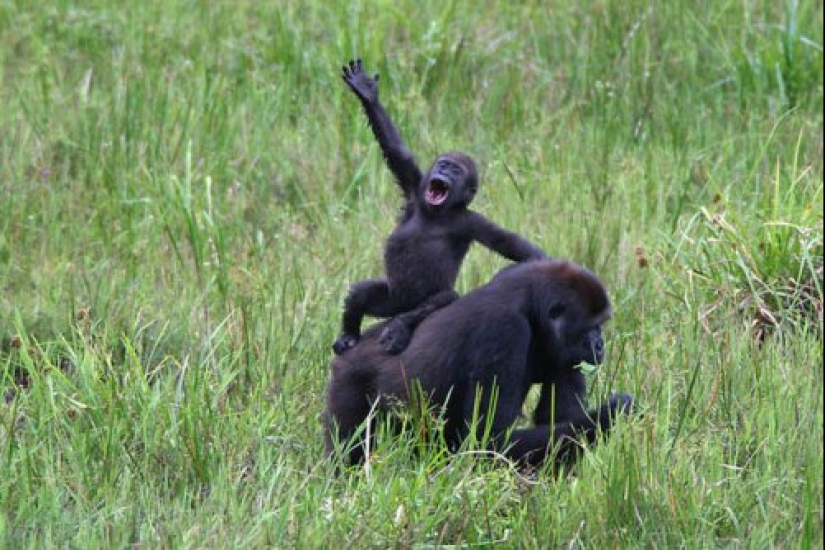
[470, 194]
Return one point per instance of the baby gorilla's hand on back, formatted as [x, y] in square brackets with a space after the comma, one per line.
[343, 343]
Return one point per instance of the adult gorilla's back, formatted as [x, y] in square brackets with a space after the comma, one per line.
[534, 322]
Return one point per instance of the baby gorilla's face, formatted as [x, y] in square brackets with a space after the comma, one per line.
[444, 175]
[450, 182]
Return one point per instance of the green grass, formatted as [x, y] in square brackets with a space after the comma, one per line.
[187, 189]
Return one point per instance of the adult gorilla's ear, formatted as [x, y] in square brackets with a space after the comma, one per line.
[556, 310]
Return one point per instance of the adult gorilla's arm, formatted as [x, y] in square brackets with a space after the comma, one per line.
[501, 350]
[563, 440]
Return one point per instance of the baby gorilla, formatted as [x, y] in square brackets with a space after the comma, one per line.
[424, 252]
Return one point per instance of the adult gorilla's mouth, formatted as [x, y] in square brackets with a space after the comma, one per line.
[437, 192]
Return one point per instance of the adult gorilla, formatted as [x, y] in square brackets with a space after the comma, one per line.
[534, 322]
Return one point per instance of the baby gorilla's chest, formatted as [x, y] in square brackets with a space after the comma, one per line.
[430, 241]
[424, 259]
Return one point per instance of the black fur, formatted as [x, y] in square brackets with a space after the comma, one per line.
[533, 323]
[423, 254]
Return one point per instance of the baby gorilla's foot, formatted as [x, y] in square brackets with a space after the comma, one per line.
[344, 342]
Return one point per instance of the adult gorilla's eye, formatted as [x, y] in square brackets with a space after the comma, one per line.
[556, 311]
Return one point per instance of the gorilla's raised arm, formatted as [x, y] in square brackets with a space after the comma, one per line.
[399, 159]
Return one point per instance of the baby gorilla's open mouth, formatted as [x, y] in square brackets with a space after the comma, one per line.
[437, 192]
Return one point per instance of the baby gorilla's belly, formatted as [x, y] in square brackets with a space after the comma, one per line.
[414, 284]
[414, 280]
[419, 267]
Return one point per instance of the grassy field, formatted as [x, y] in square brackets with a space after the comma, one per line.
[187, 190]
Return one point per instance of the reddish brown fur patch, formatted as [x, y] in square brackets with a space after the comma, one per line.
[585, 284]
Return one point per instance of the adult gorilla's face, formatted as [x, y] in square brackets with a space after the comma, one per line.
[591, 347]
[576, 335]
